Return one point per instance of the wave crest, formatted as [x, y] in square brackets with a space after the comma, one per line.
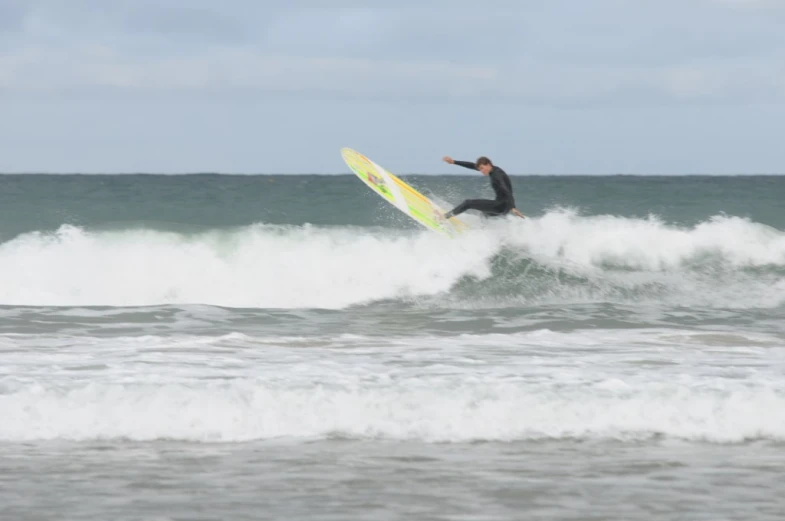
[560, 257]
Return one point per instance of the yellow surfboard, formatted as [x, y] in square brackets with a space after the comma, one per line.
[401, 195]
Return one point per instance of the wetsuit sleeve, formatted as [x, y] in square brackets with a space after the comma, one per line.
[466, 164]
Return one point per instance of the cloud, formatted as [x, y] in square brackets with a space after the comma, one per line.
[12, 16]
[560, 52]
[229, 70]
[677, 60]
[749, 3]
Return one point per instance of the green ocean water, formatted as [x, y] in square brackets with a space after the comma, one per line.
[44, 202]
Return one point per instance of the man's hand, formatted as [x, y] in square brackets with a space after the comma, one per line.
[448, 159]
[519, 214]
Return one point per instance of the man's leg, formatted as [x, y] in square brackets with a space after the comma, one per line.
[486, 206]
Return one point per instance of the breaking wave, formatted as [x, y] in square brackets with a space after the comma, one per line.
[561, 257]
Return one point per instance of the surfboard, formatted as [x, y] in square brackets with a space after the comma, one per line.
[401, 195]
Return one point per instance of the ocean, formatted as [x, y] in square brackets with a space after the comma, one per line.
[218, 347]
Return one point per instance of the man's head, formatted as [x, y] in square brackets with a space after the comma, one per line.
[484, 165]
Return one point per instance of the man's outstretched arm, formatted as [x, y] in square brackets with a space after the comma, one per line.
[466, 164]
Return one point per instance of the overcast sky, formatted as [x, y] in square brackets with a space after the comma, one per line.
[255, 86]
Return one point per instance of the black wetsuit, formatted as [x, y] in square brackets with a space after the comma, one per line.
[504, 202]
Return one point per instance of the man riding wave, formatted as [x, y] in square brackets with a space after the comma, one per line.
[502, 187]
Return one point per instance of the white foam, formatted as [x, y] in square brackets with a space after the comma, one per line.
[649, 244]
[258, 266]
[300, 267]
[599, 384]
[452, 412]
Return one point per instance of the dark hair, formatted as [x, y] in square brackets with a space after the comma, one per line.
[483, 161]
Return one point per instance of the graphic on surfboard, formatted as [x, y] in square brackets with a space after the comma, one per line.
[401, 195]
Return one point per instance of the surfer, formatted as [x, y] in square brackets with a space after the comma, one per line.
[502, 187]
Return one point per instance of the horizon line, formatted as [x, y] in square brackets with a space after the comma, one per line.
[336, 174]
